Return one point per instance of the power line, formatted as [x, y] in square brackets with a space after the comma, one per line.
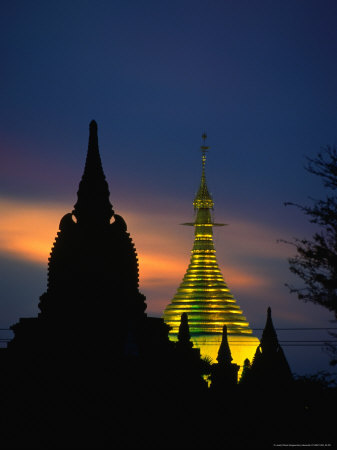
[254, 329]
[286, 329]
[286, 342]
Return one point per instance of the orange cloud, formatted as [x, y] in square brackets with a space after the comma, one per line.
[156, 269]
[236, 277]
[28, 230]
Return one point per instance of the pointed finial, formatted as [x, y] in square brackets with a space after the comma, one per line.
[93, 138]
[93, 204]
[269, 321]
[204, 149]
[203, 198]
[224, 354]
[269, 337]
[93, 125]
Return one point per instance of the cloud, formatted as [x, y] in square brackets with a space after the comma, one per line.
[164, 251]
[28, 230]
[248, 255]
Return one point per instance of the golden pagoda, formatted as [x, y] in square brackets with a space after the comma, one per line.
[204, 295]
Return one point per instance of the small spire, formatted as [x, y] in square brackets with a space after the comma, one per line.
[184, 337]
[224, 354]
[269, 337]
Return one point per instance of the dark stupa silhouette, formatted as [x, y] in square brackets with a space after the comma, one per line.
[93, 266]
[92, 274]
[269, 365]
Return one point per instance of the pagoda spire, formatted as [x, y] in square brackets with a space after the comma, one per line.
[203, 198]
[224, 374]
[93, 205]
[224, 355]
[269, 341]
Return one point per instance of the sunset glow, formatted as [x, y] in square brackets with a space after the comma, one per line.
[28, 230]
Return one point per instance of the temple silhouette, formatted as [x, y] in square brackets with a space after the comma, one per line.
[92, 276]
[93, 370]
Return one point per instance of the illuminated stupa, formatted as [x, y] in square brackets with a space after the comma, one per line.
[204, 295]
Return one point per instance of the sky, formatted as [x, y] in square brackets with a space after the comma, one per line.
[258, 76]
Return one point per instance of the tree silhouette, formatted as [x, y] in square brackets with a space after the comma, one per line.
[316, 259]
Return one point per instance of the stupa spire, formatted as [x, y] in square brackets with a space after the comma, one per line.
[203, 198]
[224, 374]
[269, 339]
[93, 204]
[224, 354]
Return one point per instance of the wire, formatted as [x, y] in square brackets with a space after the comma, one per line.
[283, 329]
[254, 329]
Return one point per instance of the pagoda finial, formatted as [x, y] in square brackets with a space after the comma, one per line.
[93, 204]
[203, 199]
[204, 149]
[93, 138]
[93, 125]
[269, 338]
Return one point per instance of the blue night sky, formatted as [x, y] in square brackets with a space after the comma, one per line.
[258, 76]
